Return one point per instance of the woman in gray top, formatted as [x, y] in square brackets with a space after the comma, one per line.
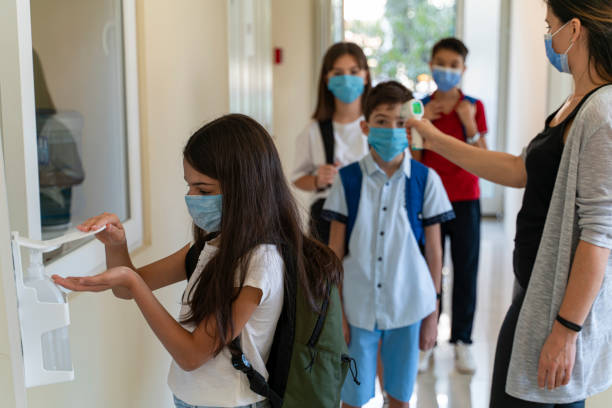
[554, 347]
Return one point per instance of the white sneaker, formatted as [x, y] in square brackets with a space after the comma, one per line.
[425, 358]
[464, 360]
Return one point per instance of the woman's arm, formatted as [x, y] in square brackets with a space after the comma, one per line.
[498, 167]
[559, 352]
[433, 256]
[189, 349]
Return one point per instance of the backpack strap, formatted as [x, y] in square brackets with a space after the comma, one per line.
[193, 255]
[327, 134]
[257, 382]
[351, 177]
[415, 194]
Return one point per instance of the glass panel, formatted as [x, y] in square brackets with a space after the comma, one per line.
[397, 37]
[80, 112]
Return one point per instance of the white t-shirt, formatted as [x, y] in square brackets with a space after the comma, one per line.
[350, 145]
[217, 382]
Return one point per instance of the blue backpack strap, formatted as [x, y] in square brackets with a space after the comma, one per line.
[351, 177]
[470, 99]
[415, 195]
[426, 100]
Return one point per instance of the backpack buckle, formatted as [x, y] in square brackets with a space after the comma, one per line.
[241, 363]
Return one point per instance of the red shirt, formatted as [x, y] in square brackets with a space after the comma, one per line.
[460, 185]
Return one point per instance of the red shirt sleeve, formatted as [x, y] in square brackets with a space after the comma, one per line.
[481, 120]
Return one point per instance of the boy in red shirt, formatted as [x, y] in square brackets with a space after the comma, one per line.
[464, 118]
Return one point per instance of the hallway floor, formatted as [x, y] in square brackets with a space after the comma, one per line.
[442, 386]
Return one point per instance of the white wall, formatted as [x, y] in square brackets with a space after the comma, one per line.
[294, 88]
[481, 34]
[527, 88]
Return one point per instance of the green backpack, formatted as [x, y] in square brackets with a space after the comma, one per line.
[308, 359]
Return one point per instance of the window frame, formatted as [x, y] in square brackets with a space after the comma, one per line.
[22, 156]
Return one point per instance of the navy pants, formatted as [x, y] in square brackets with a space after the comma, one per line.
[499, 398]
[464, 234]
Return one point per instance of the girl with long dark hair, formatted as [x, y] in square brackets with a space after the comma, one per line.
[333, 138]
[247, 236]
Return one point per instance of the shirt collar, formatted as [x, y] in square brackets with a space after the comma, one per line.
[371, 167]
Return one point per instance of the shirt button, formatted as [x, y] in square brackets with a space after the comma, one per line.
[387, 184]
[384, 208]
[382, 233]
[379, 285]
[380, 259]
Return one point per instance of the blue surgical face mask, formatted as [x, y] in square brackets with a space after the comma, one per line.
[558, 61]
[347, 88]
[446, 78]
[206, 211]
[388, 142]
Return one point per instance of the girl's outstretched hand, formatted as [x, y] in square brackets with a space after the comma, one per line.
[426, 129]
[114, 234]
[120, 276]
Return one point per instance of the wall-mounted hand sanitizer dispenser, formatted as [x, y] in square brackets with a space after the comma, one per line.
[43, 313]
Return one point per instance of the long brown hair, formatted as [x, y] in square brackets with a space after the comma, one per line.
[325, 101]
[596, 17]
[258, 208]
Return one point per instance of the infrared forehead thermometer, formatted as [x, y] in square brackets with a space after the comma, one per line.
[414, 109]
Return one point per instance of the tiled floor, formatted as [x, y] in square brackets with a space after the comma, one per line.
[442, 386]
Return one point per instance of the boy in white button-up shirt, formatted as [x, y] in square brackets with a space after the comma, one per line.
[385, 213]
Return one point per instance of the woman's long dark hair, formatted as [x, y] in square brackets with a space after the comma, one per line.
[325, 101]
[596, 16]
[258, 208]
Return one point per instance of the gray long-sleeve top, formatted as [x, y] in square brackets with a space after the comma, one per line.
[580, 209]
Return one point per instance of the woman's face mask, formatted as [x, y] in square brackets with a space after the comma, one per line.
[559, 61]
[388, 142]
[206, 211]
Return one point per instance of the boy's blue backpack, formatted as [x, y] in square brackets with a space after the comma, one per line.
[352, 176]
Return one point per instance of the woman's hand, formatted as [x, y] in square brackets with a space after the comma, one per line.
[113, 235]
[557, 358]
[429, 332]
[426, 129]
[119, 277]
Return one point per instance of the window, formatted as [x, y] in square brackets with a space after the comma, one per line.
[397, 36]
[73, 108]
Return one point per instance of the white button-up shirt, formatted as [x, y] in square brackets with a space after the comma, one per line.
[387, 283]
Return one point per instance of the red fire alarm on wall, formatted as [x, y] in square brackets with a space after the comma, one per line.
[278, 55]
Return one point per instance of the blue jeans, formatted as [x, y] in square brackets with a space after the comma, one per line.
[181, 404]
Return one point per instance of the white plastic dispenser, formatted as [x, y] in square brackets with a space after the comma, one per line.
[43, 313]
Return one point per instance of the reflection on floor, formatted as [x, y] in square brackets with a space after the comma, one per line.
[443, 386]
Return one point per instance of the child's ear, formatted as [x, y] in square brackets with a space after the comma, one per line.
[365, 129]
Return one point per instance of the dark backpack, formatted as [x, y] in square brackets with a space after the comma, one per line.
[308, 360]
